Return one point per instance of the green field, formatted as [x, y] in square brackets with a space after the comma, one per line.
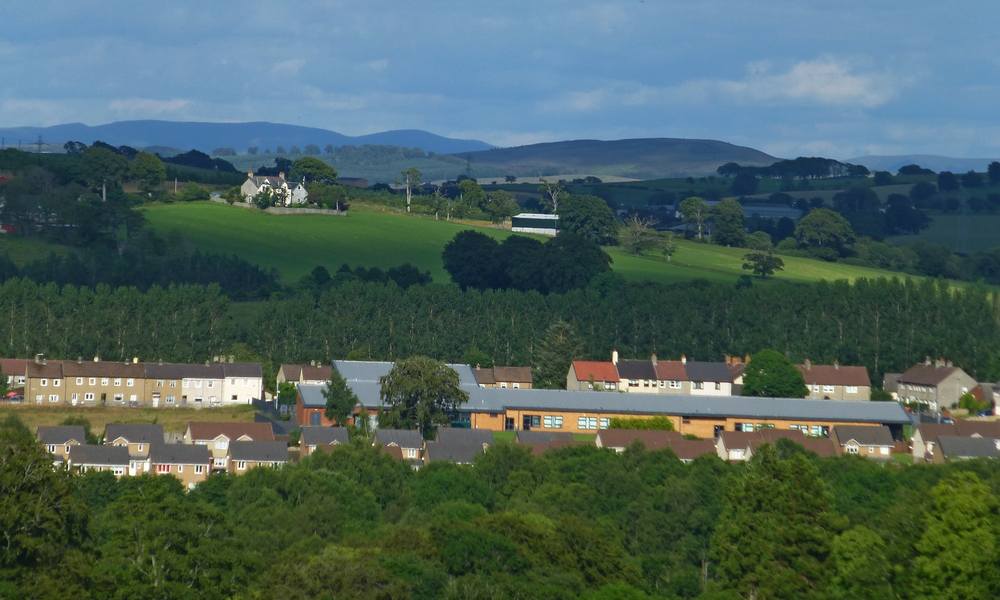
[368, 237]
[24, 250]
[960, 232]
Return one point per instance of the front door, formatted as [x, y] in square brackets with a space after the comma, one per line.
[156, 399]
[508, 424]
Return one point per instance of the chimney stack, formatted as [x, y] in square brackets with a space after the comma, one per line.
[281, 175]
[135, 360]
[614, 357]
[652, 359]
[684, 359]
[39, 359]
[836, 364]
[808, 364]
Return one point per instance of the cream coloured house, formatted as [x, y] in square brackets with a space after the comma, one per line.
[287, 194]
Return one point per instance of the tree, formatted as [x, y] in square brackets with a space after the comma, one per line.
[763, 264]
[471, 260]
[860, 567]
[947, 181]
[588, 217]
[420, 393]
[728, 227]
[993, 172]
[668, 245]
[411, 179]
[694, 211]
[652, 423]
[772, 538]
[921, 193]
[103, 166]
[637, 236]
[759, 241]
[972, 180]
[557, 349]
[552, 193]
[313, 170]
[328, 149]
[72, 147]
[914, 170]
[772, 375]
[501, 206]
[882, 178]
[148, 170]
[340, 399]
[958, 552]
[744, 184]
[824, 229]
[286, 394]
[312, 149]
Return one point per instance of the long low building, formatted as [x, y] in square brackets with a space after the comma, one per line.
[589, 411]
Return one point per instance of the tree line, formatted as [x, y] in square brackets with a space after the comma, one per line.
[577, 522]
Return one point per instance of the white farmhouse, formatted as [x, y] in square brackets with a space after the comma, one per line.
[286, 194]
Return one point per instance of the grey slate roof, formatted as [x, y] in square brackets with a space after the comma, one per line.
[542, 437]
[404, 438]
[708, 371]
[463, 435]
[135, 433]
[180, 454]
[259, 451]
[320, 436]
[87, 454]
[371, 371]
[312, 394]
[242, 369]
[865, 436]
[953, 446]
[457, 448]
[636, 369]
[60, 434]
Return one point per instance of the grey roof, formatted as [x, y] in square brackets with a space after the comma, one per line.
[461, 435]
[404, 438]
[541, 437]
[865, 436]
[259, 451]
[708, 371]
[60, 434]
[180, 454]
[636, 369]
[135, 433]
[371, 371]
[458, 448]
[953, 446]
[86, 454]
[312, 394]
[184, 371]
[318, 436]
[242, 369]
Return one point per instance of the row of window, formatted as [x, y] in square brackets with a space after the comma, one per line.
[198, 469]
[672, 384]
[106, 381]
[829, 389]
[90, 381]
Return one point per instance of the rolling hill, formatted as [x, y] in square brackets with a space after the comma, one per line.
[933, 162]
[368, 237]
[207, 136]
[640, 158]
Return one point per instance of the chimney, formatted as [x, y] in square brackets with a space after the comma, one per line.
[79, 360]
[614, 357]
[808, 364]
[249, 173]
[927, 360]
[135, 360]
[836, 364]
[39, 359]
[281, 175]
[684, 359]
[652, 359]
[97, 358]
[746, 359]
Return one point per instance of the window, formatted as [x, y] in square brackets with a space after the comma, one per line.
[675, 385]
[118, 471]
[411, 453]
[884, 451]
[827, 389]
[852, 449]
[119, 397]
[815, 388]
[132, 398]
[56, 382]
[67, 448]
[53, 397]
[130, 382]
[199, 469]
[586, 423]
[604, 423]
[852, 389]
[210, 383]
[75, 397]
[608, 385]
[52, 448]
[871, 450]
[92, 381]
[503, 385]
[159, 383]
[552, 422]
[104, 380]
[736, 454]
[118, 381]
[162, 468]
[141, 447]
[232, 381]
[718, 386]
[180, 468]
[197, 383]
[241, 465]
[816, 430]
[221, 444]
[173, 384]
[686, 420]
[88, 397]
[38, 398]
[699, 385]
[170, 399]
[44, 383]
[79, 381]
[516, 385]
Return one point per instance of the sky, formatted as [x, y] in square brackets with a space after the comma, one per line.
[803, 77]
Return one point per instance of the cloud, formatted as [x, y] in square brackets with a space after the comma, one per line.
[378, 65]
[148, 106]
[291, 66]
[826, 81]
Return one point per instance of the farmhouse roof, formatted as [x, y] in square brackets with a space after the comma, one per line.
[636, 369]
[708, 371]
[596, 370]
[134, 433]
[267, 451]
[88, 454]
[404, 438]
[321, 436]
[60, 434]
[864, 436]
[929, 375]
[953, 446]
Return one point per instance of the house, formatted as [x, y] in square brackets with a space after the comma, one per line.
[459, 446]
[710, 378]
[246, 455]
[88, 457]
[190, 463]
[937, 384]
[43, 381]
[312, 439]
[620, 439]
[310, 406]
[219, 436]
[925, 436]
[635, 376]
[409, 441]
[286, 195]
[954, 447]
[102, 383]
[870, 442]
[543, 224]
[57, 439]
[514, 378]
[137, 438]
[313, 373]
[15, 370]
[592, 375]
[836, 381]
[738, 446]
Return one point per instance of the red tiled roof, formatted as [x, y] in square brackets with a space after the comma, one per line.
[929, 375]
[835, 375]
[14, 366]
[597, 370]
[670, 370]
[320, 373]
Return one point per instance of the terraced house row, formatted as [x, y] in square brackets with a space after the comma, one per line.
[150, 384]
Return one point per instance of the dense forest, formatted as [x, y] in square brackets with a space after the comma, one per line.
[886, 325]
[577, 522]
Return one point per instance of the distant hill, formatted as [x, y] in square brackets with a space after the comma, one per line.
[641, 158]
[928, 161]
[239, 136]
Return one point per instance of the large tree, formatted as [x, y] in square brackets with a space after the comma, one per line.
[958, 552]
[552, 194]
[420, 393]
[695, 212]
[557, 349]
[824, 229]
[728, 227]
[102, 166]
[860, 568]
[147, 170]
[762, 263]
[340, 399]
[637, 236]
[771, 374]
[772, 538]
[471, 260]
[501, 206]
[589, 217]
[313, 170]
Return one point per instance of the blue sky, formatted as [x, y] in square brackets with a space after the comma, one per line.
[789, 77]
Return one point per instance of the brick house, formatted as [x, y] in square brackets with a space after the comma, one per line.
[592, 375]
[87, 457]
[937, 384]
[870, 442]
[219, 436]
[312, 439]
[459, 446]
[57, 440]
[246, 455]
[925, 437]
[836, 382]
[190, 463]
[137, 438]
[409, 441]
[514, 378]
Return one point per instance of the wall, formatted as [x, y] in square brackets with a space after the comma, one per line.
[839, 393]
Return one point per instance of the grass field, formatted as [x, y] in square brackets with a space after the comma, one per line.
[173, 420]
[295, 244]
[23, 250]
[960, 232]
